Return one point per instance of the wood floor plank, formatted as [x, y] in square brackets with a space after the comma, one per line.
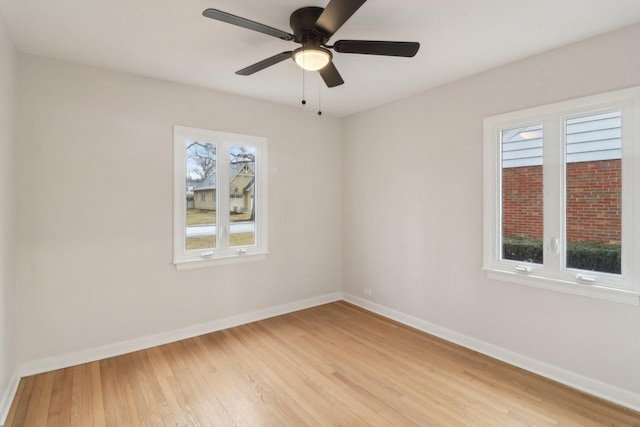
[96, 395]
[148, 409]
[112, 392]
[281, 397]
[195, 389]
[335, 364]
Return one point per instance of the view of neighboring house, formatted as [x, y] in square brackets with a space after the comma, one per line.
[241, 189]
[191, 185]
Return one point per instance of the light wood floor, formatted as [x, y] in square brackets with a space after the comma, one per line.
[331, 365]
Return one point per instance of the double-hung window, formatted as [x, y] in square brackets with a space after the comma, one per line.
[561, 192]
[220, 196]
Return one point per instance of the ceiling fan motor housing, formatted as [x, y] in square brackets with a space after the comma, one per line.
[303, 24]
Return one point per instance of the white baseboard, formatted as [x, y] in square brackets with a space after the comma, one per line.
[123, 347]
[571, 379]
[7, 398]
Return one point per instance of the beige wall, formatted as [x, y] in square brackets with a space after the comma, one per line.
[96, 271]
[7, 203]
[424, 259]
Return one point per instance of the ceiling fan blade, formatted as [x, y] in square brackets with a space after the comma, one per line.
[330, 75]
[246, 23]
[336, 14]
[369, 47]
[258, 66]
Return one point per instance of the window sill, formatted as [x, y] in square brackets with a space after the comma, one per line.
[592, 291]
[221, 260]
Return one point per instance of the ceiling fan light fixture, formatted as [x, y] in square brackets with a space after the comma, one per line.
[312, 58]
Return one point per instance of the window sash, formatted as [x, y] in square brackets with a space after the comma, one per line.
[521, 151]
[570, 161]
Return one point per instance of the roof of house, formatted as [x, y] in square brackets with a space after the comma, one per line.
[249, 186]
[210, 182]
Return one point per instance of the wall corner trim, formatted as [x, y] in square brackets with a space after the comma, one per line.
[7, 398]
[571, 379]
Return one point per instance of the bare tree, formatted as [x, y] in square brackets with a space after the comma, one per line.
[203, 156]
[242, 154]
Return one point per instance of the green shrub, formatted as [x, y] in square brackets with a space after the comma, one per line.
[582, 255]
[594, 256]
[522, 249]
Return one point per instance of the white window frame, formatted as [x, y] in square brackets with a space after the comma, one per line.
[223, 253]
[624, 288]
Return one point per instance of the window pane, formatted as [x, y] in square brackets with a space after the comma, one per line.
[201, 195]
[522, 194]
[242, 191]
[594, 192]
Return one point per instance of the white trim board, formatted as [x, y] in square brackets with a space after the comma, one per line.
[7, 399]
[141, 343]
[568, 378]
[571, 379]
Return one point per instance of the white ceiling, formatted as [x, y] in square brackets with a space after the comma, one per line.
[171, 40]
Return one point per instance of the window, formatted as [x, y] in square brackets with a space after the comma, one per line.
[220, 195]
[559, 198]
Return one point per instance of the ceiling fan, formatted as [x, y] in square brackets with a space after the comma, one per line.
[312, 28]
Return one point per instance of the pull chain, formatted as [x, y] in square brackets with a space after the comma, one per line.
[319, 98]
[304, 102]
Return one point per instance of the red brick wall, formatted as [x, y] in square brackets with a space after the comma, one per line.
[522, 202]
[593, 201]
